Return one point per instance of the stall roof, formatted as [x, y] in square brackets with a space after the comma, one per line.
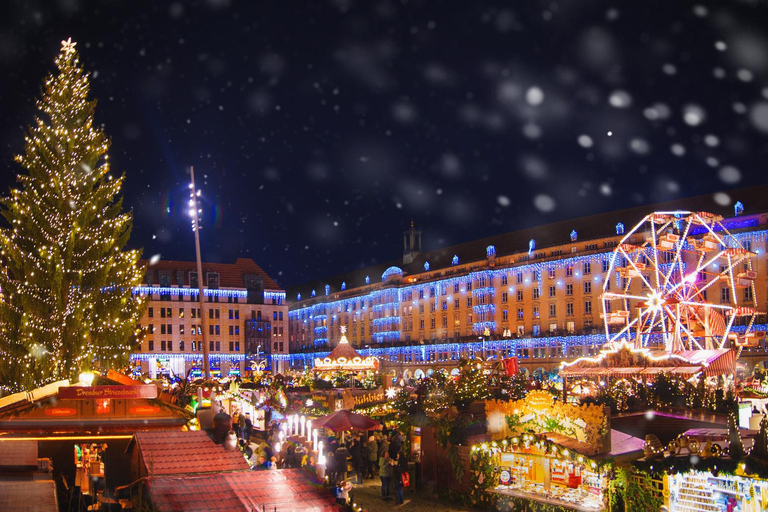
[28, 495]
[288, 489]
[18, 455]
[178, 453]
[621, 444]
[626, 361]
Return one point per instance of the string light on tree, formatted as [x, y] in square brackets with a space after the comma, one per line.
[67, 304]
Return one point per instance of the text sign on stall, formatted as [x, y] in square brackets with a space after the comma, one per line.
[90, 392]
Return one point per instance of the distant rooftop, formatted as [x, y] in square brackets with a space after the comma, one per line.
[594, 227]
[231, 275]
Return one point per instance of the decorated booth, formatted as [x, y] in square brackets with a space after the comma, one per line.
[545, 451]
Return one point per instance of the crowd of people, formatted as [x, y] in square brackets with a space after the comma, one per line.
[364, 457]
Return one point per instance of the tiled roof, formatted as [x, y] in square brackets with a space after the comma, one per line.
[230, 274]
[283, 490]
[29, 496]
[18, 454]
[593, 227]
[175, 453]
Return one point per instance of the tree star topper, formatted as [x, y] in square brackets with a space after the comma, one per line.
[343, 329]
[68, 46]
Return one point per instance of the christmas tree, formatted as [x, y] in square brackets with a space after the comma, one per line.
[66, 303]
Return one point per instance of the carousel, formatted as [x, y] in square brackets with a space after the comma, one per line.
[345, 359]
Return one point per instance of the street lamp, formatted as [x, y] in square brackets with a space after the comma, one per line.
[194, 212]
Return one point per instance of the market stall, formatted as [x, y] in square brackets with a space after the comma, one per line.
[536, 469]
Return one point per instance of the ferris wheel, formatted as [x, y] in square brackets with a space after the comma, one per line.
[680, 280]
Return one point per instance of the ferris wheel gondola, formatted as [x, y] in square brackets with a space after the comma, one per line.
[673, 281]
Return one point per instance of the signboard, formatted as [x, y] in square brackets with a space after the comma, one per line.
[144, 409]
[60, 411]
[370, 397]
[101, 392]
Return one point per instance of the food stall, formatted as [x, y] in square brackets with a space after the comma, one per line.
[532, 467]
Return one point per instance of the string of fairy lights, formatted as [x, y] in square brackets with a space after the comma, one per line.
[64, 246]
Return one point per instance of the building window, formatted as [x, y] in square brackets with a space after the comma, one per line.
[151, 329]
[520, 313]
[210, 346]
[519, 295]
[552, 310]
[551, 292]
[181, 346]
[587, 268]
[503, 297]
[237, 346]
[469, 302]
[455, 287]
[519, 277]
[535, 293]
[535, 311]
[162, 328]
[150, 312]
[536, 330]
[505, 315]
[231, 331]
[569, 271]
[151, 345]
[569, 309]
[552, 273]
[606, 265]
[170, 345]
[569, 289]
[421, 324]
[218, 346]
[504, 280]
[162, 312]
[587, 287]
[725, 294]
[162, 345]
[748, 293]
[587, 307]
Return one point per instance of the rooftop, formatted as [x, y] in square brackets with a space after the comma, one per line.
[177, 453]
[288, 489]
[594, 227]
[231, 275]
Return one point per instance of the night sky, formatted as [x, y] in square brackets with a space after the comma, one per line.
[319, 130]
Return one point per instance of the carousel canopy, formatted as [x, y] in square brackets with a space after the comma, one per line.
[345, 358]
[626, 361]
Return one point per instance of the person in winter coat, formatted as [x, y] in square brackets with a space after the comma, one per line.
[356, 451]
[385, 475]
[397, 478]
[373, 455]
[341, 456]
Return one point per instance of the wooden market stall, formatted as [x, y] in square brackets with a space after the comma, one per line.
[84, 428]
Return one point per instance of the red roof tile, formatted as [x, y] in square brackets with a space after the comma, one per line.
[176, 453]
[283, 490]
[231, 275]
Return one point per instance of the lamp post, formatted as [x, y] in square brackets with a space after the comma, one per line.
[194, 212]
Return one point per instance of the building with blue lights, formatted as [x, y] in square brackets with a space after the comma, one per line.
[534, 293]
[246, 318]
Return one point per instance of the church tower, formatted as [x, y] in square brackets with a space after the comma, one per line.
[411, 244]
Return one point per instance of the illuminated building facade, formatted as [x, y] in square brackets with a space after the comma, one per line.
[534, 294]
[246, 318]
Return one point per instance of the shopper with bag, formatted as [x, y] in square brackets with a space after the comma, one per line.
[398, 468]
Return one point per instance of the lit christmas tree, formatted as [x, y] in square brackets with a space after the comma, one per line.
[66, 303]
